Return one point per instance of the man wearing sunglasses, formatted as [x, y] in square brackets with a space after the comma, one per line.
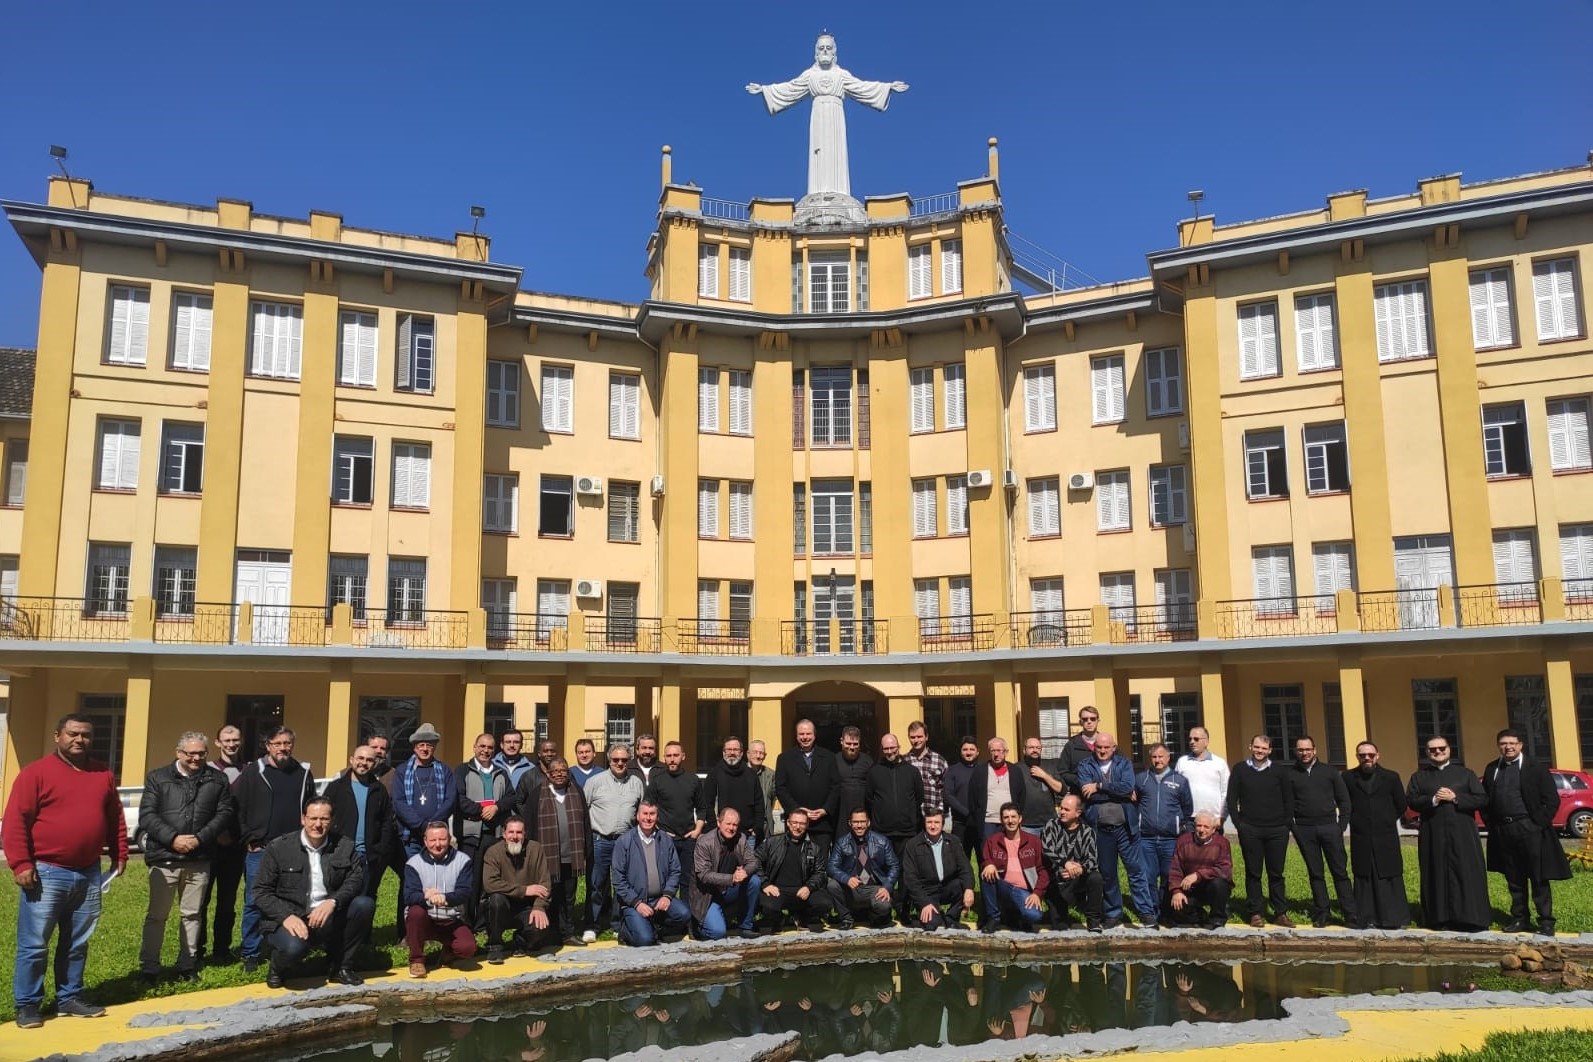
[1447, 796]
[1377, 800]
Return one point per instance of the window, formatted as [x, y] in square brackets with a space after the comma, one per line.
[1258, 340]
[1045, 506]
[925, 524]
[182, 458]
[619, 725]
[1402, 327]
[950, 267]
[1327, 458]
[353, 463]
[500, 502]
[1164, 382]
[707, 508]
[1576, 561]
[799, 518]
[741, 509]
[1106, 389]
[1554, 293]
[1336, 752]
[708, 271]
[553, 606]
[621, 612]
[1112, 504]
[740, 610]
[1039, 398]
[959, 591]
[107, 712]
[1504, 440]
[1568, 435]
[417, 354]
[556, 514]
[1117, 594]
[1527, 710]
[1492, 323]
[955, 393]
[411, 475]
[741, 274]
[356, 349]
[740, 402]
[16, 485]
[1283, 718]
[1437, 713]
[406, 590]
[956, 505]
[624, 405]
[105, 592]
[1314, 333]
[1515, 565]
[558, 398]
[799, 614]
[708, 400]
[1266, 467]
[864, 426]
[498, 599]
[920, 264]
[829, 282]
[175, 569]
[832, 516]
[1169, 495]
[1045, 599]
[503, 394]
[624, 511]
[926, 606]
[865, 517]
[275, 339]
[921, 399]
[129, 338]
[346, 577]
[1175, 599]
[1272, 568]
[832, 405]
[190, 331]
[1333, 568]
[707, 607]
[1180, 714]
[118, 455]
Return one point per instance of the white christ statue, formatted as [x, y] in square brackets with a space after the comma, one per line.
[829, 84]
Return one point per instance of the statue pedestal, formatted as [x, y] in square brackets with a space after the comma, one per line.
[829, 210]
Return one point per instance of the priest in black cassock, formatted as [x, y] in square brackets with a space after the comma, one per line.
[1447, 796]
[1377, 800]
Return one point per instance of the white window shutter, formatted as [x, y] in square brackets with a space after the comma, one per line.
[1491, 323]
[1568, 434]
[741, 510]
[956, 398]
[922, 395]
[616, 406]
[708, 400]
[406, 327]
[740, 403]
[138, 326]
[956, 505]
[1554, 294]
[950, 267]
[926, 601]
[365, 352]
[1576, 553]
[121, 313]
[708, 271]
[961, 595]
[707, 599]
[918, 271]
[708, 508]
[740, 274]
[420, 476]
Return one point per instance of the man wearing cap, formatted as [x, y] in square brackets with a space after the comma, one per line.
[424, 790]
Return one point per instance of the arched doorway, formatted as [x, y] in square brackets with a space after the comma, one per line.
[833, 706]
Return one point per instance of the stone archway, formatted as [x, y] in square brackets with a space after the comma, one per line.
[833, 706]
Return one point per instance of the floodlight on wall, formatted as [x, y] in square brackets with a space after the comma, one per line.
[58, 153]
[1195, 195]
[476, 214]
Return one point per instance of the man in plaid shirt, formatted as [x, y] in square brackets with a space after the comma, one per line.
[931, 767]
[1075, 865]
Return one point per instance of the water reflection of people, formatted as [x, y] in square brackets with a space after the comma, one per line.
[1207, 992]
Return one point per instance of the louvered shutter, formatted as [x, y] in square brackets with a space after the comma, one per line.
[956, 396]
[110, 454]
[956, 505]
[922, 387]
[708, 508]
[1568, 434]
[708, 271]
[1106, 385]
[741, 403]
[740, 274]
[708, 400]
[1554, 292]
[950, 267]
[918, 266]
[1332, 569]
[923, 508]
[121, 312]
[1514, 558]
[1258, 340]
[741, 510]
[960, 593]
[1045, 595]
[926, 605]
[406, 334]
[707, 599]
[1576, 559]
[137, 326]
[1313, 319]
[1491, 324]
[1043, 507]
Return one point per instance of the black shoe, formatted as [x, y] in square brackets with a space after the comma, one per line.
[574, 940]
[78, 1007]
[989, 925]
[495, 954]
[28, 1017]
[1546, 927]
[1113, 923]
[1516, 926]
[1216, 923]
[1319, 923]
[273, 978]
[846, 922]
[222, 956]
[147, 979]
[817, 926]
[188, 976]
[1095, 927]
[345, 976]
[251, 965]
[748, 934]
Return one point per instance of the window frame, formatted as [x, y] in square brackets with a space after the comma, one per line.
[707, 507]
[1169, 485]
[1039, 406]
[1492, 307]
[620, 495]
[1564, 306]
[1324, 475]
[551, 487]
[1570, 443]
[1121, 484]
[954, 399]
[418, 456]
[133, 349]
[192, 304]
[920, 270]
[1262, 467]
[174, 447]
[406, 591]
[358, 339]
[1045, 502]
[106, 579]
[558, 411]
[128, 455]
[1164, 381]
[1258, 352]
[1506, 441]
[504, 392]
[341, 451]
[739, 383]
[173, 582]
[826, 503]
[740, 516]
[838, 417]
[835, 269]
[500, 503]
[1272, 569]
[921, 400]
[16, 473]
[925, 506]
[1108, 389]
[1383, 299]
[707, 400]
[285, 357]
[1309, 331]
[624, 405]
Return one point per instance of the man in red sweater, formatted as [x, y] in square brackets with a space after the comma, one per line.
[63, 811]
[1202, 873]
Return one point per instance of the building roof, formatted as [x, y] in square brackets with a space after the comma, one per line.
[16, 383]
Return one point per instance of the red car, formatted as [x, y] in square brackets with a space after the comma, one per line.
[1575, 816]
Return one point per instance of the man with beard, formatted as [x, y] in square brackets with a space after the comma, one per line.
[226, 862]
[678, 794]
[424, 789]
[958, 776]
[269, 798]
[793, 876]
[936, 879]
[1321, 808]
[1454, 881]
[1522, 844]
[931, 766]
[731, 784]
[852, 765]
[990, 786]
[863, 871]
[516, 886]
[515, 763]
[362, 811]
[1075, 865]
[382, 746]
[1080, 747]
[1107, 784]
[1377, 801]
[805, 779]
[757, 753]
[646, 757]
[895, 795]
[1041, 785]
[1260, 803]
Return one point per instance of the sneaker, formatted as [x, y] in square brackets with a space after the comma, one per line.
[28, 1016]
[78, 1007]
[1094, 927]
[417, 970]
[589, 937]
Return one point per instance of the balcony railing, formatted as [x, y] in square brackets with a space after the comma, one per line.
[200, 624]
[623, 634]
[1052, 629]
[1498, 605]
[1276, 617]
[1413, 609]
[284, 625]
[714, 637]
[942, 203]
[1579, 599]
[1152, 623]
[64, 619]
[845, 637]
[724, 209]
[956, 634]
[528, 632]
[412, 628]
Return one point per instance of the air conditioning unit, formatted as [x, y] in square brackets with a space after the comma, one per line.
[979, 477]
[588, 588]
[1081, 481]
[658, 486]
[1183, 435]
[1009, 479]
[589, 485]
[1189, 537]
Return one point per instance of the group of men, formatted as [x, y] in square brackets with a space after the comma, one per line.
[500, 843]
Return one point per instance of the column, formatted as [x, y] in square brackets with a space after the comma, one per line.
[1005, 709]
[218, 508]
[1562, 710]
[135, 725]
[763, 723]
[1112, 709]
[342, 721]
[574, 708]
[1352, 695]
[475, 712]
[669, 705]
[901, 711]
[1213, 708]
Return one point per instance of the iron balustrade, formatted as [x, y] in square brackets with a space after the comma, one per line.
[1277, 617]
[528, 632]
[956, 634]
[854, 637]
[63, 619]
[1152, 623]
[714, 637]
[1498, 605]
[943, 203]
[724, 209]
[412, 628]
[1052, 629]
[202, 624]
[623, 634]
[1579, 599]
[283, 625]
[1410, 609]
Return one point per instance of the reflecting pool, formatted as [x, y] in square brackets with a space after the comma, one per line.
[887, 1006]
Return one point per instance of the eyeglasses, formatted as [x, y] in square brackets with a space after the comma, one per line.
[1437, 748]
[279, 744]
[619, 759]
[1366, 755]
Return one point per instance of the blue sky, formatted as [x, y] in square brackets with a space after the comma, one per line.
[400, 115]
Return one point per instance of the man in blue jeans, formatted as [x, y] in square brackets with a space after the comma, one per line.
[1015, 877]
[63, 810]
[725, 879]
[1166, 810]
[611, 801]
[646, 875]
[269, 798]
[1106, 781]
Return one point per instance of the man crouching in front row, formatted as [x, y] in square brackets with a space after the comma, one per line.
[516, 884]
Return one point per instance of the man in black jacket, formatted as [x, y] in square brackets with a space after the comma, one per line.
[1522, 846]
[851, 767]
[269, 797]
[805, 777]
[793, 876]
[936, 877]
[1259, 803]
[895, 795]
[375, 834]
[731, 784]
[185, 807]
[678, 794]
[1080, 747]
[302, 908]
[1321, 808]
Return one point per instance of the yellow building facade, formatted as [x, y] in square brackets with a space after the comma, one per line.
[1326, 473]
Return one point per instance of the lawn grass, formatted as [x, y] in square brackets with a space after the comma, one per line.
[111, 976]
[1539, 1045]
